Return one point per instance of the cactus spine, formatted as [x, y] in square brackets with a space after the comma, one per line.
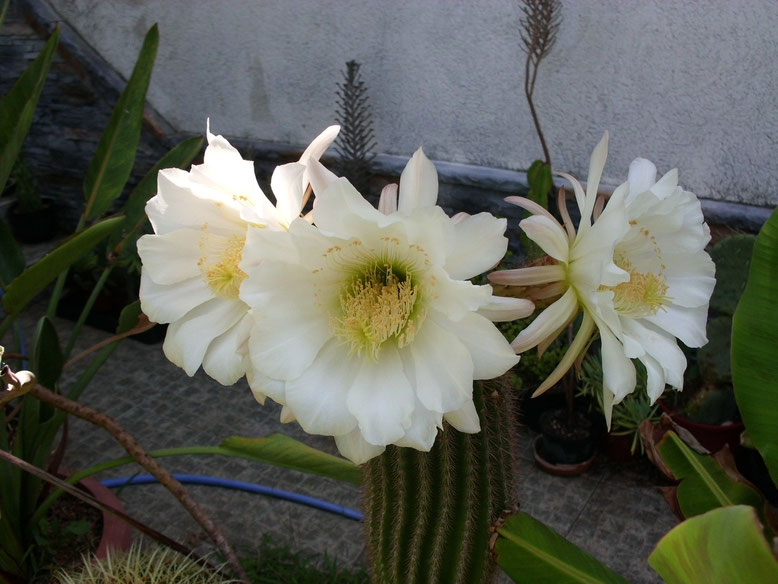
[428, 514]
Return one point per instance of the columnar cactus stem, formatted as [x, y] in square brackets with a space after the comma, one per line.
[428, 514]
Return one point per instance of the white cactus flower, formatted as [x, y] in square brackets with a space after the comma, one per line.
[191, 273]
[371, 332]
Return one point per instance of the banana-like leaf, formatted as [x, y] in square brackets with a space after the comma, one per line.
[35, 278]
[47, 357]
[282, 450]
[704, 483]
[115, 154]
[755, 347]
[719, 547]
[11, 259]
[530, 552]
[18, 107]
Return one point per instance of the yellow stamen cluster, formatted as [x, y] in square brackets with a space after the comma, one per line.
[378, 306]
[224, 276]
[643, 295]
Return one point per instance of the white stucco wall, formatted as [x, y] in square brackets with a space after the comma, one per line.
[692, 84]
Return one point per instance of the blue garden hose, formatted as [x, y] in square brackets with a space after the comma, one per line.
[218, 482]
[320, 504]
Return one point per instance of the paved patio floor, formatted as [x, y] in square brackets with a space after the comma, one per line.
[613, 511]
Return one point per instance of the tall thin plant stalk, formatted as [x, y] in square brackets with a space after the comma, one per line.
[539, 28]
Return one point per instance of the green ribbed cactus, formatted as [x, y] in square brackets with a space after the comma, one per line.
[428, 514]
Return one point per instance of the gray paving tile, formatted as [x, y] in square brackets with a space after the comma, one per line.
[612, 511]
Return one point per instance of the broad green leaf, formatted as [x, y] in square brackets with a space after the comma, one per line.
[721, 546]
[530, 552]
[284, 451]
[540, 183]
[115, 154]
[704, 484]
[47, 357]
[11, 258]
[35, 278]
[755, 347]
[18, 107]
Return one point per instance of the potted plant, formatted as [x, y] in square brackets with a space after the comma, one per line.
[32, 218]
[707, 406]
[623, 442]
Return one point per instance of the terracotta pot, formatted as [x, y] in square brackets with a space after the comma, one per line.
[711, 437]
[117, 535]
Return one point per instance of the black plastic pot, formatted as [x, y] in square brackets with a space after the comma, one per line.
[567, 444]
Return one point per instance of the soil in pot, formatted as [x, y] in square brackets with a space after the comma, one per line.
[565, 443]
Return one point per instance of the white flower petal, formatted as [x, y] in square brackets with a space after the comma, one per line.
[596, 166]
[491, 354]
[318, 396]
[387, 202]
[382, 399]
[262, 385]
[189, 337]
[465, 419]
[549, 235]
[171, 257]
[164, 304]
[287, 186]
[478, 245]
[423, 430]
[530, 276]
[641, 177]
[283, 347]
[687, 324]
[618, 371]
[320, 177]
[341, 210]
[418, 184]
[225, 359]
[548, 321]
[354, 447]
[655, 378]
[506, 309]
[443, 368]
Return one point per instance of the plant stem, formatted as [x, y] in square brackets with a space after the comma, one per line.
[98, 288]
[152, 466]
[428, 515]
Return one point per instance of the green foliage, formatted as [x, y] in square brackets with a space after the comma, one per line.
[356, 140]
[17, 107]
[37, 425]
[141, 565]
[754, 342]
[628, 414]
[36, 277]
[284, 451]
[704, 483]
[277, 564]
[115, 154]
[540, 184]
[732, 258]
[28, 200]
[531, 553]
[719, 547]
